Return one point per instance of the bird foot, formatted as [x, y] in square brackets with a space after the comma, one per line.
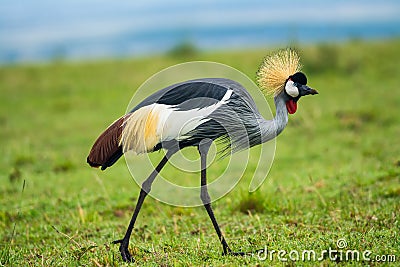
[123, 249]
[240, 253]
[228, 251]
[232, 253]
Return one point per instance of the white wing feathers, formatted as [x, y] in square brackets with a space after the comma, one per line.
[156, 123]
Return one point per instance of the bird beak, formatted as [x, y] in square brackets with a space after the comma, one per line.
[313, 92]
[308, 91]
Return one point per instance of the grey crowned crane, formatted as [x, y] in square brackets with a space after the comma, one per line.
[195, 113]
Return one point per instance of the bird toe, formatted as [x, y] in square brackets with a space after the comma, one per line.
[126, 256]
[124, 250]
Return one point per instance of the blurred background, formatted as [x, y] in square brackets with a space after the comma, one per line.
[68, 69]
[43, 30]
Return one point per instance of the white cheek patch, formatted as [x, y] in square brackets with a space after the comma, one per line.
[291, 89]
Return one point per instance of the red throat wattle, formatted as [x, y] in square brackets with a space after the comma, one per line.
[291, 106]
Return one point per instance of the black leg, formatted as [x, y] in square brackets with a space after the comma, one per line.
[146, 187]
[204, 146]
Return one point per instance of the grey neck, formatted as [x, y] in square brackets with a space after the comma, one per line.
[272, 128]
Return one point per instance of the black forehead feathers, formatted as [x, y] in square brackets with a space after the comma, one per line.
[299, 77]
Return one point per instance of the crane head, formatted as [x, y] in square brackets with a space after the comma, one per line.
[280, 74]
[296, 87]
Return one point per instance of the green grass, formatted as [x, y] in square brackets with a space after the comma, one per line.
[336, 172]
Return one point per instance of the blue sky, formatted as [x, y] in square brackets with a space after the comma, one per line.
[26, 26]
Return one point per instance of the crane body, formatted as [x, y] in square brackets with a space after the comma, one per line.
[196, 113]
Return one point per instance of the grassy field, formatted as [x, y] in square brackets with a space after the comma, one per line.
[335, 176]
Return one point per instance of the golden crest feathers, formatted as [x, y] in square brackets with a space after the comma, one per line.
[276, 69]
